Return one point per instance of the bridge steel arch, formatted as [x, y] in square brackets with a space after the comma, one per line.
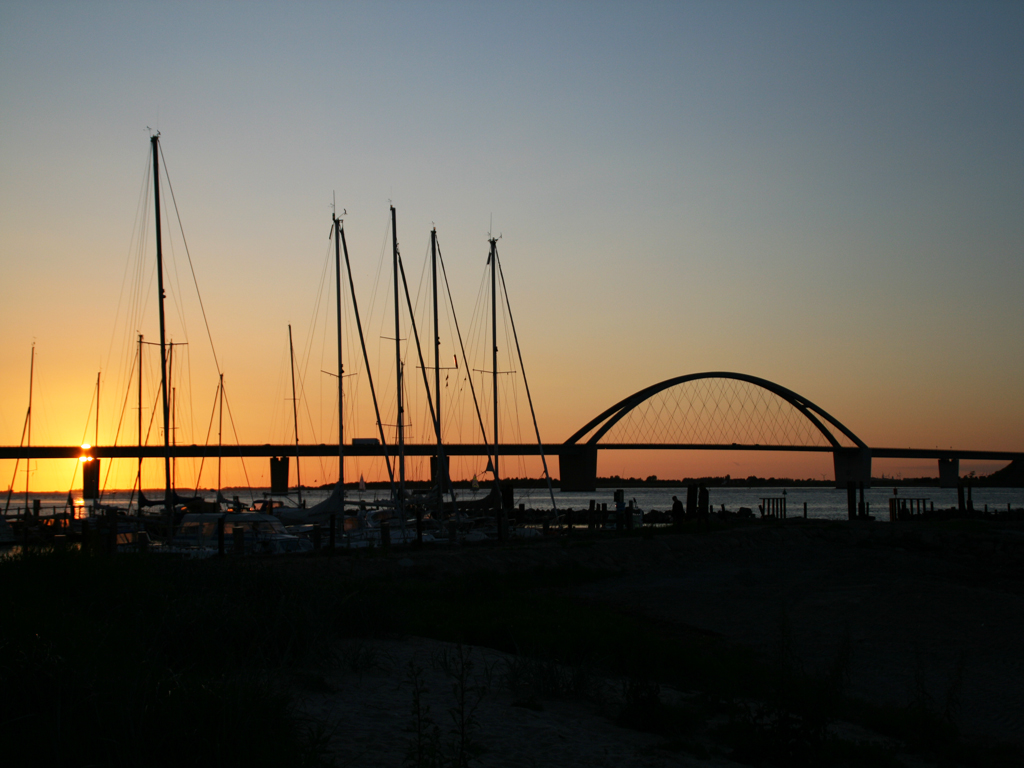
[578, 460]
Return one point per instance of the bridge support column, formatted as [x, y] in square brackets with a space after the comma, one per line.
[949, 473]
[577, 467]
[852, 465]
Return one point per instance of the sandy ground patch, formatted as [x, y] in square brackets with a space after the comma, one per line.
[935, 611]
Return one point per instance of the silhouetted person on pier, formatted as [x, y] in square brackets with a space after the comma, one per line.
[677, 510]
[703, 506]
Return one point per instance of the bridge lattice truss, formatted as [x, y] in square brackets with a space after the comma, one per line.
[717, 410]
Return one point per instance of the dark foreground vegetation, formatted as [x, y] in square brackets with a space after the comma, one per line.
[151, 661]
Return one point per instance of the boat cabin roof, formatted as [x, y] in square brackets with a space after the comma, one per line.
[229, 517]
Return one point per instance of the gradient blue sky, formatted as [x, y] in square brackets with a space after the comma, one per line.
[826, 195]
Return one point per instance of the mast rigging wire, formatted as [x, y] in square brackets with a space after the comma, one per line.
[522, 367]
[476, 404]
[195, 281]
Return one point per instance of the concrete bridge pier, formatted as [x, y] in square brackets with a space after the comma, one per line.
[852, 465]
[577, 467]
[949, 473]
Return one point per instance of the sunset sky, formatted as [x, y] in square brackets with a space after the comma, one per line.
[826, 195]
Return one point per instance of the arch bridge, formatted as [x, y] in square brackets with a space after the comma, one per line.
[713, 411]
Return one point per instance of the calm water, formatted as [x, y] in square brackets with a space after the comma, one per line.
[822, 503]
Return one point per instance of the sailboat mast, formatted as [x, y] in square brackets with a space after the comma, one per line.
[168, 499]
[96, 441]
[138, 479]
[27, 426]
[295, 415]
[441, 471]
[400, 503]
[28, 417]
[220, 435]
[341, 370]
[174, 436]
[174, 418]
[494, 358]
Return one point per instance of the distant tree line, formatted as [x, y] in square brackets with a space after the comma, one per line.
[1010, 476]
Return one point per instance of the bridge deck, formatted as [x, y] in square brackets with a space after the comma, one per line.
[459, 449]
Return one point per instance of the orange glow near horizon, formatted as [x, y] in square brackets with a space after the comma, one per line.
[61, 476]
